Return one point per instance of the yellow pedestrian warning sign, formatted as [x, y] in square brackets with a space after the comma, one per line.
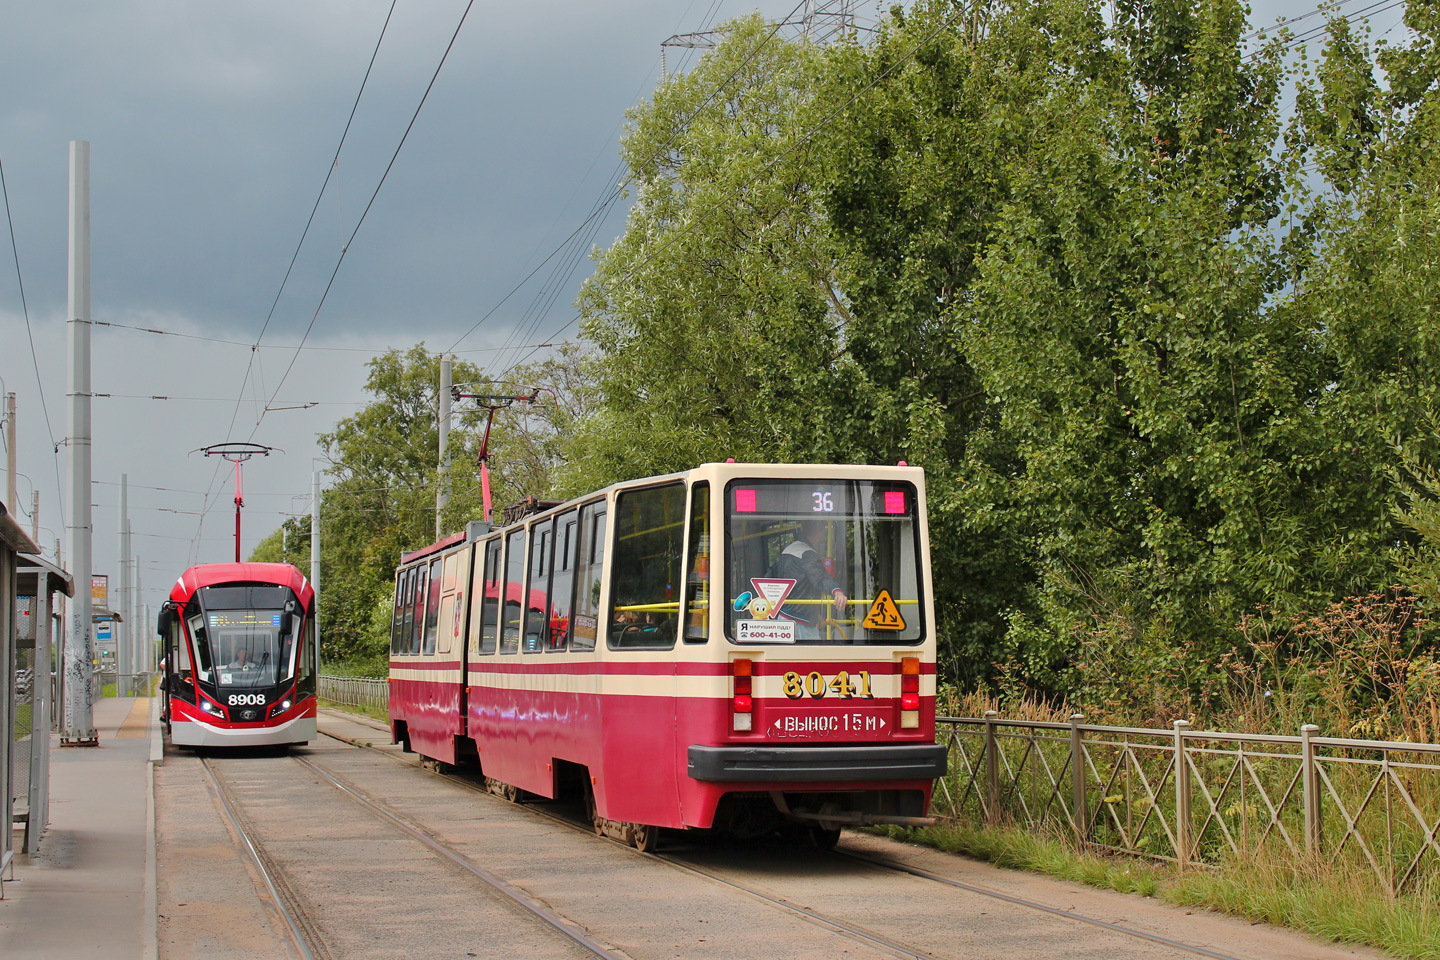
[884, 614]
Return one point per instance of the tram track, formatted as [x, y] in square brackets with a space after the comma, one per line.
[287, 908]
[817, 918]
[307, 938]
[834, 925]
[514, 894]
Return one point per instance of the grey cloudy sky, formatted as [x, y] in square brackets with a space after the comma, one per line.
[211, 127]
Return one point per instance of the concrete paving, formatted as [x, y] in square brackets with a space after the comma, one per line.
[90, 892]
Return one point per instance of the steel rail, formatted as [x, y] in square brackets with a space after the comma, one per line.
[831, 924]
[1031, 904]
[295, 934]
[840, 926]
[511, 892]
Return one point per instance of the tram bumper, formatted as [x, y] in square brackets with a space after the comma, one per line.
[830, 764]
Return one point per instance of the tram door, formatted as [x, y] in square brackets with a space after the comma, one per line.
[175, 669]
[648, 530]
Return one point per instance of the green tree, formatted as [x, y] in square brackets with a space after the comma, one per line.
[716, 314]
[380, 500]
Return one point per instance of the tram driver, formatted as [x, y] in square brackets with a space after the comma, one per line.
[242, 661]
[801, 561]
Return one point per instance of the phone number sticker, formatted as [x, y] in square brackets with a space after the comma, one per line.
[765, 631]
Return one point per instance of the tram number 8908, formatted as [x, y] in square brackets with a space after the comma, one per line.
[816, 685]
[247, 699]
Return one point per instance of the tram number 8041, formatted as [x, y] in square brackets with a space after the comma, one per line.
[247, 699]
[815, 684]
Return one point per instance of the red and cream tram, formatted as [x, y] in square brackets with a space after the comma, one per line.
[737, 647]
[238, 656]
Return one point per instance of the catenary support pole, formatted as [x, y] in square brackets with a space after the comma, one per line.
[10, 468]
[315, 549]
[442, 489]
[122, 568]
[35, 515]
[76, 726]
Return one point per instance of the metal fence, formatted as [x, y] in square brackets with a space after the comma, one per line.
[1197, 797]
[363, 692]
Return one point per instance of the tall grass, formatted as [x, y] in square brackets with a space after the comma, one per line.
[1332, 904]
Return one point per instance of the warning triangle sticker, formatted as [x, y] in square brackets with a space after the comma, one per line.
[884, 614]
[774, 591]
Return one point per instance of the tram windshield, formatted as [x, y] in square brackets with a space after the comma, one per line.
[244, 634]
[822, 561]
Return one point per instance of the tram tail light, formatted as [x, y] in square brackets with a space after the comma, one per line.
[909, 693]
[742, 706]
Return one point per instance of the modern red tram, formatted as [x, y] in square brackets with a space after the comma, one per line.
[738, 647]
[239, 659]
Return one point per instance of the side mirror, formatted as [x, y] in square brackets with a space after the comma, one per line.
[287, 619]
[166, 621]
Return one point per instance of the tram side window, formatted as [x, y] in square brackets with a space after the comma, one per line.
[397, 616]
[417, 610]
[450, 604]
[645, 570]
[537, 596]
[562, 581]
[305, 672]
[199, 637]
[588, 573]
[432, 608]
[697, 566]
[485, 620]
[512, 593]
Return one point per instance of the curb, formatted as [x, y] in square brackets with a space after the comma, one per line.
[150, 934]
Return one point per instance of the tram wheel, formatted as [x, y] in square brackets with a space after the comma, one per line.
[822, 838]
[644, 837]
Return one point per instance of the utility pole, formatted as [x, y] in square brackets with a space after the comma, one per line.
[77, 727]
[442, 489]
[10, 469]
[122, 557]
[315, 549]
[35, 516]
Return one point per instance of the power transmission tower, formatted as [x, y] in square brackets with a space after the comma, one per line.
[824, 20]
[821, 22]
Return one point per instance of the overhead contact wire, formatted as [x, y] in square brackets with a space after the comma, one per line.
[629, 178]
[359, 223]
[329, 171]
[30, 334]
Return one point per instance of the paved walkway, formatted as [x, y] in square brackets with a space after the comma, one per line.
[90, 892]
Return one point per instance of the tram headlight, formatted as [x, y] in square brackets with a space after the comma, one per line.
[280, 707]
[213, 709]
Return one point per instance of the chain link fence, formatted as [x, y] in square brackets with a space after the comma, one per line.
[1200, 797]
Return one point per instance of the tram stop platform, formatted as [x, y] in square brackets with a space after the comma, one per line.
[90, 891]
